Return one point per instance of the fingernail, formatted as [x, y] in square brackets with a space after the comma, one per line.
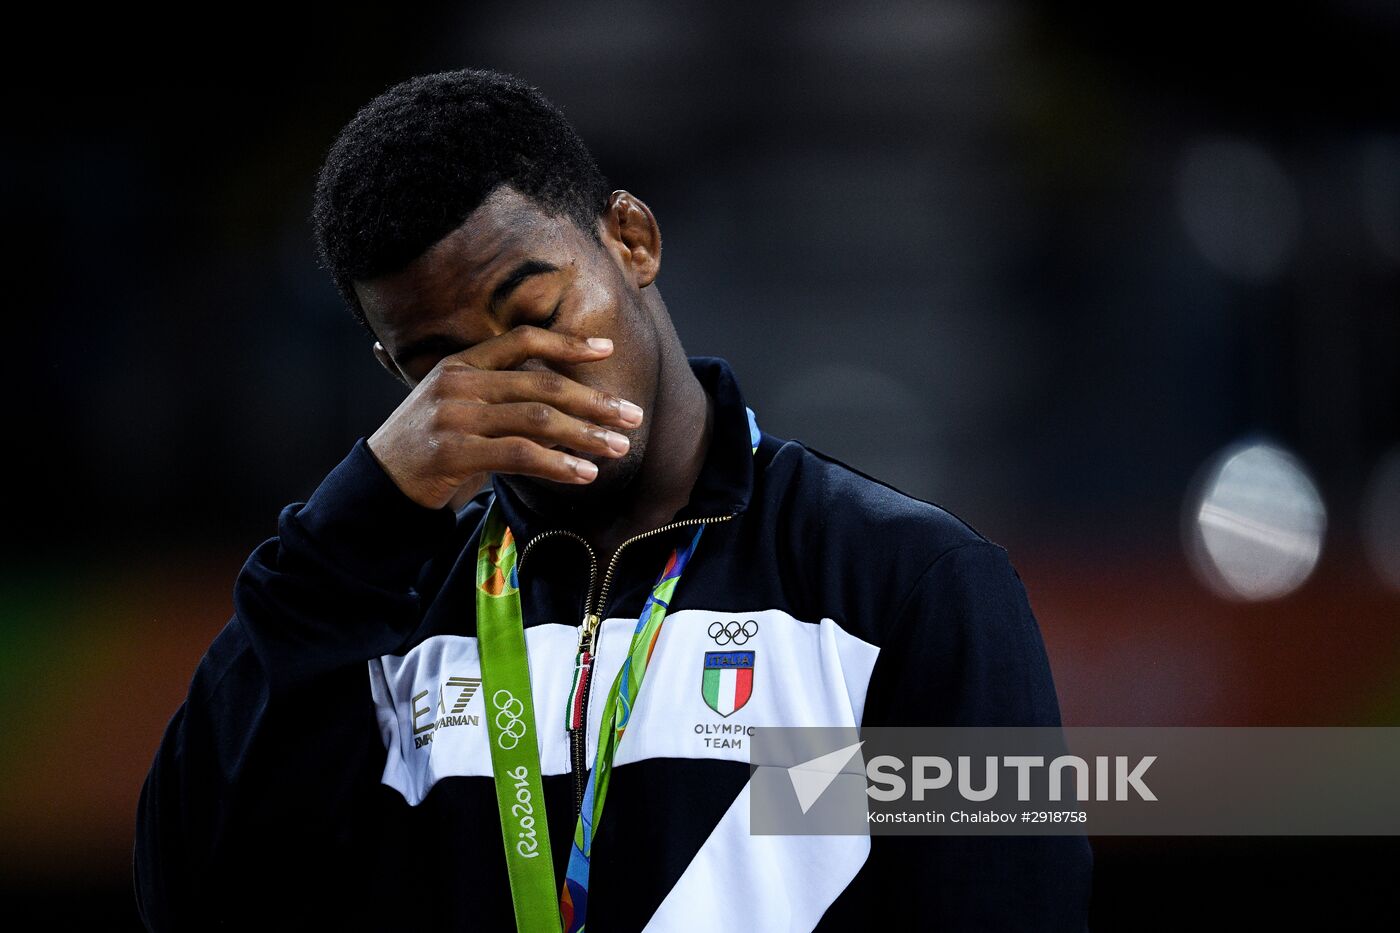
[600, 343]
[585, 469]
[630, 413]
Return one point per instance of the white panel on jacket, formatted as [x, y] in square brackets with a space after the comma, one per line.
[432, 711]
[798, 674]
[743, 881]
[712, 677]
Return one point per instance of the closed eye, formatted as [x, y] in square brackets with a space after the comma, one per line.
[439, 346]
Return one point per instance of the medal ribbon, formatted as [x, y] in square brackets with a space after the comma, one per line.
[511, 727]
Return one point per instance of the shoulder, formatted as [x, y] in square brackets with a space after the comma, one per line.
[871, 549]
[856, 509]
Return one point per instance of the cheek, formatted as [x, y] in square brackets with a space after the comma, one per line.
[604, 313]
[603, 306]
[607, 302]
[598, 307]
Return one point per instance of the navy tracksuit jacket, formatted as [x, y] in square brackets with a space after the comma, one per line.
[329, 769]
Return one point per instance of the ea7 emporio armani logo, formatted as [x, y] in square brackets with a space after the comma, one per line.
[462, 689]
[733, 631]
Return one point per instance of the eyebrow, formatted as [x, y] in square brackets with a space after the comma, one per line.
[517, 275]
[442, 342]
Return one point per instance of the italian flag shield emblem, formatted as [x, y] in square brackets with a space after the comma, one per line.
[728, 680]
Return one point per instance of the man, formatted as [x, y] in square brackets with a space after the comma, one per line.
[542, 527]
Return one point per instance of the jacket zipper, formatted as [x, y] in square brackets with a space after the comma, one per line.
[576, 723]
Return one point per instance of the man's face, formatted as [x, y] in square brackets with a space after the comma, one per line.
[443, 303]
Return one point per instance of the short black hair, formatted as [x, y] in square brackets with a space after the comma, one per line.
[414, 163]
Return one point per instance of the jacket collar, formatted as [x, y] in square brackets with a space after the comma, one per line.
[725, 483]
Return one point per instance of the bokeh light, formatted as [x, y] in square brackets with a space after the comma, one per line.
[1239, 208]
[1380, 194]
[1380, 519]
[1256, 523]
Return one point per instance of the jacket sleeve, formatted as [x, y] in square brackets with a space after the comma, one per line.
[263, 767]
[965, 650]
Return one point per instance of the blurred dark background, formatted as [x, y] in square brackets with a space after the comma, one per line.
[1117, 284]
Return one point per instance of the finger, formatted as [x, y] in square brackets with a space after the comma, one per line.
[468, 384]
[547, 426]
[524, 457]
[526, 341]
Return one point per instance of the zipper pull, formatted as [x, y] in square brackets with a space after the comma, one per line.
[587, 630]
[583, 669]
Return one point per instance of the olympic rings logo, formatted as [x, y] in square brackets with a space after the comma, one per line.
[733, 631]
[510, 727]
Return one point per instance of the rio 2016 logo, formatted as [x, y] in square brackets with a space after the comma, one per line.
[508, 712]
[510, 730]
[524, 812]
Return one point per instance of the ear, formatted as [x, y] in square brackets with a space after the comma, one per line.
[387, 361]
[631, 234]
